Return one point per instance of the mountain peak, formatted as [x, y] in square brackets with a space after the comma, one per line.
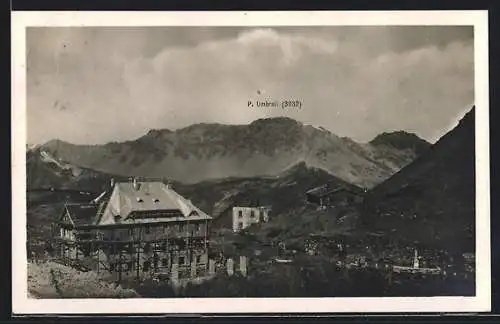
[54, 144]
[276, 121]
[401, 140]
[158, 132]
[469, 116]
[300, 166]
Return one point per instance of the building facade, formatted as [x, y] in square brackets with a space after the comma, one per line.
[139, 229]
[243, 217]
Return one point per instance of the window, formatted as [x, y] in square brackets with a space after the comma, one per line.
[164, 262]
[156, 200]
[197, 227]
[155, 263]
[181, 260]
[240, 214]
[240, 225]
[252, 214]
[147, 230]
[146, 266]
[181, 228]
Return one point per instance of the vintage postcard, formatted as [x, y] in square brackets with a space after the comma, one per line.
[250, 162]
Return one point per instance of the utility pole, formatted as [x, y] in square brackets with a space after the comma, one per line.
[138, 247]
[120, 264]
[97, 250]
[77, 245]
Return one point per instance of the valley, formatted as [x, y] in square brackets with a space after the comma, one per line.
[415, 195]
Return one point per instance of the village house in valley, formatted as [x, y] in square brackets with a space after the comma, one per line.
[137, 229]
[327, 196]
[239, 214]
[244, 216]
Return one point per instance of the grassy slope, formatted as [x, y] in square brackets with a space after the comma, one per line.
[285, 193]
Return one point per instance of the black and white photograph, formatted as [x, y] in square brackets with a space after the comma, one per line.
[243, 162]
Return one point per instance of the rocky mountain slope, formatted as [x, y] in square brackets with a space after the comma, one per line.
[43, 171]
[264, 147]
[433, 198]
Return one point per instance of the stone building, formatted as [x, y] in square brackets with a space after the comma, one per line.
[244, 216]
[138, 229]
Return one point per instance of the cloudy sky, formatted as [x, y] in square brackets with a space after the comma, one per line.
[96, 85]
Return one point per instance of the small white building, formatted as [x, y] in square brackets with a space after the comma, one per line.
[243, 217]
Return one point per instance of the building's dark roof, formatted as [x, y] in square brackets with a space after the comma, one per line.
[228, 207]
[326, 190]
[82, 214]
[249, 202]
[319, 191]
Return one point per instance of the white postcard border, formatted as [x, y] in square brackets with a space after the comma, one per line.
[23, 305]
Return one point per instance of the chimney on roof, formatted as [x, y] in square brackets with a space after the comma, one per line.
[112, 182]
[169, 185]
[136, 184]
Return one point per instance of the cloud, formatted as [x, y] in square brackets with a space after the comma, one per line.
[92, 88]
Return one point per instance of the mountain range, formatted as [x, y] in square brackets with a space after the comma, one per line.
[264, 147]
[428, 195]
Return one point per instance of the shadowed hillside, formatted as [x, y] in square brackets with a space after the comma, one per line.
[433, 198]
[283, 192]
